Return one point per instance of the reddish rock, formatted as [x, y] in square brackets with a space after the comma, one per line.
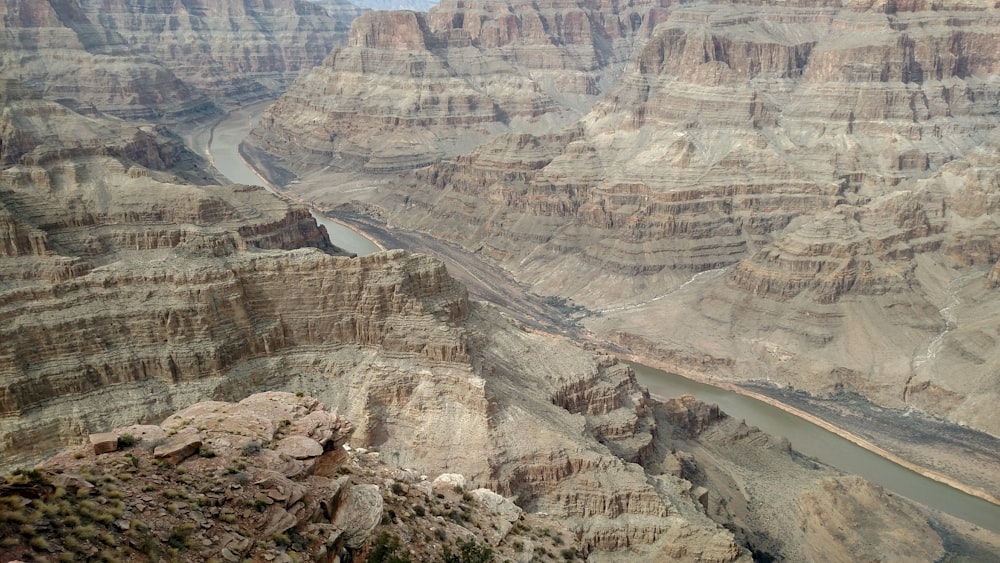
[104, 442]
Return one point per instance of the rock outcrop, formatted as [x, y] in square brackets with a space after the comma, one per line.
[92, 263]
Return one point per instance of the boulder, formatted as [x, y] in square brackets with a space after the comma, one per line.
[178, 448]
[507, 512]
[104, 442]
[358, 512]
[449, 481]
[299, 447]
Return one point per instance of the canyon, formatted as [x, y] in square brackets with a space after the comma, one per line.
[795, 198]
[137, 282]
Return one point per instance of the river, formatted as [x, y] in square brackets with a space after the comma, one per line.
[222, 146]
[827, 447]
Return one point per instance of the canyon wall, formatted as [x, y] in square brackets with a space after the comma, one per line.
[797, 194]
[233, 52]
[410, 88]
[53, 49]
[171, 63]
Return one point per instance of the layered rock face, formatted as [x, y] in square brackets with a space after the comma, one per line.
[410, 89]
[103, 242]
[798, 193]
[134, 286]
[55, 50]
[234, 52]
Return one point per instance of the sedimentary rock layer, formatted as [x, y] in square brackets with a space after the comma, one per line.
[234, 52]
[55, 50]
[798, 193]
[412, 88]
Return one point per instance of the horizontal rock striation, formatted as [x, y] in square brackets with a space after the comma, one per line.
[412, 88]
[733, 121]
[233, 52]
[56, 50]
[107, 287]
[767, 183]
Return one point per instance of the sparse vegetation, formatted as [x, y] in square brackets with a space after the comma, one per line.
[251, 448]
[468, 552]
[126, 441]
[385, 550]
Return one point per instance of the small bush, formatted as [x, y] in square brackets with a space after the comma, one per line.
[282, 540]
[384, 550]
[179, 536]
[251, 448]
[39, 543]
[419, 510]
[397, 489]
[126, 441]
[468, 552]
[206, 452]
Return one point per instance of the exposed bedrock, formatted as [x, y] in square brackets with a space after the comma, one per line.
[798, 193]
[56, 50]
[233, 52]
[410, 88]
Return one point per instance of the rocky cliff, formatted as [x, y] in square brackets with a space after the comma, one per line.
[273, 477]
[55, 50]
[233, 52]
[796, 193]
[136, 286]
[412, 88]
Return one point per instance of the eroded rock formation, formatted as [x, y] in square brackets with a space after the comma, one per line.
[794, 193]
[412, 88]
[233, 52]
[55, 50]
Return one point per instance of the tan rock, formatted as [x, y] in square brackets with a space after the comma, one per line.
[358, 511]
[299, 447]
[178, 448]
[72, 483]
[449, 481]
[104, 442]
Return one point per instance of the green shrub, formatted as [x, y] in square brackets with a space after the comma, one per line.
[39, 543]
[384, 550]
[126, 441]
[468, 552]
[282, 540]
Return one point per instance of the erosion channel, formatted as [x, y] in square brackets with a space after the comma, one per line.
[221, 145]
